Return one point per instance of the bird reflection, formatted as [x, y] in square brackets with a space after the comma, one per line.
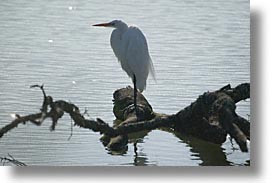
[140, 158]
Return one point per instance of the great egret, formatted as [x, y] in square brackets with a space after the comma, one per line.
[130, 47]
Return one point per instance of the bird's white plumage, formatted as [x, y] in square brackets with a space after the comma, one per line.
[130, 47]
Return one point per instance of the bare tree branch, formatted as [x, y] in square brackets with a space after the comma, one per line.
[12, 160]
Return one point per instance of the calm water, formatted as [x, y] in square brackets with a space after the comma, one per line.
[196, 46]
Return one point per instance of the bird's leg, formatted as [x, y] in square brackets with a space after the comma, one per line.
[135, 147]
[135, 97]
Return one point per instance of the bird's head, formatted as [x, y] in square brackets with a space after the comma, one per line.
[115, 24]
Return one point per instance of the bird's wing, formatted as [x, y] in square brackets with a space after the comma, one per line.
[117, 45]
[137, 53]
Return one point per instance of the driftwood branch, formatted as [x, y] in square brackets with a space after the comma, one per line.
[12, 160]
[211, 117]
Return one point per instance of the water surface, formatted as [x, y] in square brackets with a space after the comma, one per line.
[196, 46]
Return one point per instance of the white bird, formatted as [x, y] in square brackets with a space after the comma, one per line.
[130, 47]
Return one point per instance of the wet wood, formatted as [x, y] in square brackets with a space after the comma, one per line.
[210, 117]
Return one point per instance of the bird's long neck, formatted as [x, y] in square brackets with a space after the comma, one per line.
[122, 27]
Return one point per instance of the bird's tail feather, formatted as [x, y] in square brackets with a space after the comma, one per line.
[152, 70]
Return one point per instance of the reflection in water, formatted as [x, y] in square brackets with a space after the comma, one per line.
[120, 152]
[209, 153]
[140, 158]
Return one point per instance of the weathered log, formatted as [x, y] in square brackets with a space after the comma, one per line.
[211, 117]
[127, 121]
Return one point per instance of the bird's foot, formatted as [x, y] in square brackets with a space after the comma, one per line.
[137, 113]
[131, 108]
